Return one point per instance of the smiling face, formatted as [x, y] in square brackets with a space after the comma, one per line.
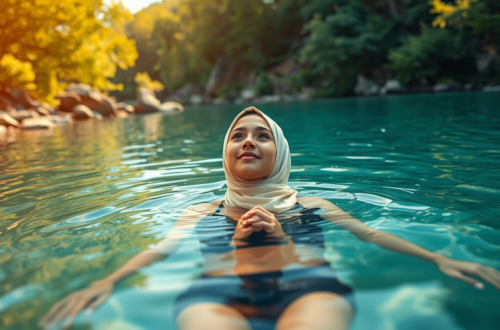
[251, 150]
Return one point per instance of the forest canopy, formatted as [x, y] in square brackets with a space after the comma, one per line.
[221, 47]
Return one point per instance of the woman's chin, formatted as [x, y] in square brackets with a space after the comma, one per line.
[250, 176]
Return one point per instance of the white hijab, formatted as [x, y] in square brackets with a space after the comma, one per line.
[271, 193]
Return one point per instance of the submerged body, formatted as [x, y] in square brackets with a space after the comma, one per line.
[262, 275]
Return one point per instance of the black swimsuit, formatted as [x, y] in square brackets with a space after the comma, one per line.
[262, 297]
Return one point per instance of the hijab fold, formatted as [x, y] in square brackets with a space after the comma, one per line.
[271, 193]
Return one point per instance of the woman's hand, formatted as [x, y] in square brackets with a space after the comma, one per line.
[261, 219]
[457, 269]
[68, 308]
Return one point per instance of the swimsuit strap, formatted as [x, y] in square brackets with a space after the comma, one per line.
[221, 206]
[218, 208]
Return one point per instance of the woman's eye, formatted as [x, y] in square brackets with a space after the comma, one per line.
[264, 135]
[237, 135]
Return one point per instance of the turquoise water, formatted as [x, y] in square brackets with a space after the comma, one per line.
[77, 202]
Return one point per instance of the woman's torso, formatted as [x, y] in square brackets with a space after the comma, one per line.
[302, 245]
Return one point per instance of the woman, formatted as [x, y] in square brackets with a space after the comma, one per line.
[265, 268]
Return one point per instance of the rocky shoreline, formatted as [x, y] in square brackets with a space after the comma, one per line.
[18, 110]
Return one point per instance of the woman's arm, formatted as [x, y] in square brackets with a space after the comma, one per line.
[91, 297]
[450, 267]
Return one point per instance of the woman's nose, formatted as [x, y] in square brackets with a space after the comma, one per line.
[248, 142]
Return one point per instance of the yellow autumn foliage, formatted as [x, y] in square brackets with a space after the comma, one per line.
[446, 11]
[142, 79]
[57, 42]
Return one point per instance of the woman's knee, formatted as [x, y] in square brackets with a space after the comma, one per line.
[317, 311]
[204, 316]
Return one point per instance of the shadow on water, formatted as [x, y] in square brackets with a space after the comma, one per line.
[77, 202]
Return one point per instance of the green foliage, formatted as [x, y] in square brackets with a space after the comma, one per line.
[263, 84]
[64, 41]
[341, 44]
[424, 55]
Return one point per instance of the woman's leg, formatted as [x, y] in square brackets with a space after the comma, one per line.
[207, 316]
[317, 311]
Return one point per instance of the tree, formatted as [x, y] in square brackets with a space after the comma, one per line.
[64, 41]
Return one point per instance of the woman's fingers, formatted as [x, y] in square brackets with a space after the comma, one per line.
[263, 215]
[73, 313]
[251, 221]
[91, 308]
[466, 279]
[64, 312]
[53, 311]
[253, 210]
[490, 275]
[266, 226]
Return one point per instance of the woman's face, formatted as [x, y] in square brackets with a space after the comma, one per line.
[251, 150]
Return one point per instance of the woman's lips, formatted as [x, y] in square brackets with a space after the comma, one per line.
[248, 157]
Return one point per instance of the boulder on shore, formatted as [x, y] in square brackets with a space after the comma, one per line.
[365, 86]
[146, 102]
[93, 99]
[171, 107]
[392, 86]
[6, 120]
[81, 112]
[68, 101]
[60, 119]
[37, 123]
[21, 115]
[125, 107]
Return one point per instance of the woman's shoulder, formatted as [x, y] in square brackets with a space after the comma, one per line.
[205, 208]
[315, 202]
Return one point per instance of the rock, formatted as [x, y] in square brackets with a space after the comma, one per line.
[225, 72]
[6, 120]
[94, 99]
[146, 102]
[125, 107]
[288, 98]
[196, 99]
[392, 86]
[42, 111]
[247, 94]
[281, 74]
[68, 101]
[491, 88]
[469, 87]
[60, 119]
[267, 99]
[441, 88]
[103, 104]
[82, 112]
[97, 115]
[220, 101]
[6, 102]
[306, 93]
[447, 87]
[23, 98]
[171, 107]
[37, 123]
[122, 114]
[21, 115]
[365, 86]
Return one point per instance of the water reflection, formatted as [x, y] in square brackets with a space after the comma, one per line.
[77, 202]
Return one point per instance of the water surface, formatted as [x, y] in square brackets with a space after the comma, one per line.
[77, 202]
